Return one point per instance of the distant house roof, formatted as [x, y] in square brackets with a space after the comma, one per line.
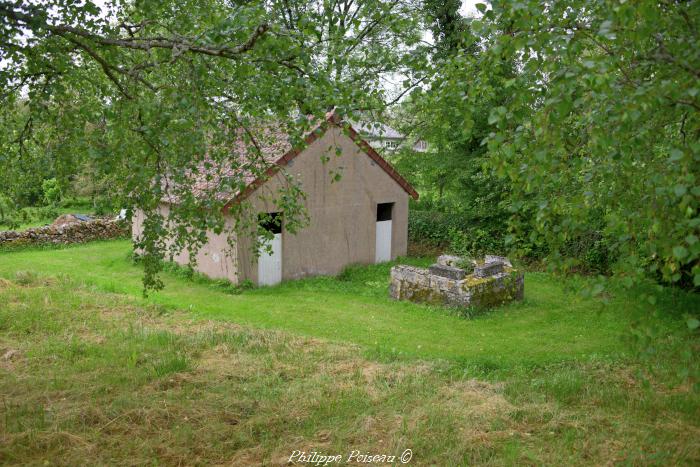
[273, 151]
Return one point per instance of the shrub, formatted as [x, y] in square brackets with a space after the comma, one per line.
[51, 191]
[476, 242]
[103, 205]
[8, 213]
[46, 213]
[593, 251]
[457, 232]
[77, 202]
[433, 227]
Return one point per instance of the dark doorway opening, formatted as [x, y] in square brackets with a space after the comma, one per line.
[271, 221]
[384, 211]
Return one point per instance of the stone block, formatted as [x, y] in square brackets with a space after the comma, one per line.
[449, 260]
[447, 271]
[488, 269]
[465, 264]
[442, 284]
[494, 258]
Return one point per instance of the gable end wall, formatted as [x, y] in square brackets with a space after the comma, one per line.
[342, 214]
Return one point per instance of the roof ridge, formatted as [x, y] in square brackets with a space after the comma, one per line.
[331, 118]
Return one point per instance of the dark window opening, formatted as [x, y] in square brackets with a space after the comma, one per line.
[271, 221]
[384, 211]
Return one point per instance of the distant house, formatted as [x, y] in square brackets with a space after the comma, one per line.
[381, 136]
[363, 218]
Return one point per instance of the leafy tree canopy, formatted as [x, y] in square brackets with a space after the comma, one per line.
[142, 91]
[596, 129]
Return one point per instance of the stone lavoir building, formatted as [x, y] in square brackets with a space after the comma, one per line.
[363, 218]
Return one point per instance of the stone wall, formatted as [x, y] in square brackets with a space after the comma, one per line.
[79, 232]
[492, 282]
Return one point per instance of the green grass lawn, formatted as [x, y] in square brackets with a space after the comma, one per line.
[551, 325]
[192, 374]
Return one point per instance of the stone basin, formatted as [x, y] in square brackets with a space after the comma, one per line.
[482, 283]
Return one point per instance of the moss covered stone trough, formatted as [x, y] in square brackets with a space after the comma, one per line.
[454, 281]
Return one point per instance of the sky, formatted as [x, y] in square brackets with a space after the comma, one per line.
[468, 8]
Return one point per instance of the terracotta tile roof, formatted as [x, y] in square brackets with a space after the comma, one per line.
[272, 151]
[212, 179]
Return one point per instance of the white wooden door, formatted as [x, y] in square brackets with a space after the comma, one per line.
[383, 243]
[270, 264]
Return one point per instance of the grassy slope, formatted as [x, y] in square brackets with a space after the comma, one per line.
[88, 377]
[551, 325]
[95, 380]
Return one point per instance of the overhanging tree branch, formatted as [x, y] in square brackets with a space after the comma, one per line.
[183, 44]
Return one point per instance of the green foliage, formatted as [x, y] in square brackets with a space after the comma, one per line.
[125, 101]
[594, 252]
[446, 24]
[8, 213]
[104, 205]
[475, 242]
[576, 121]
[457, 232]
[453, 176]
[51, 192]
[587, 113]
[603, 124]
[45, 214]
[32, 217]
[432, 227]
